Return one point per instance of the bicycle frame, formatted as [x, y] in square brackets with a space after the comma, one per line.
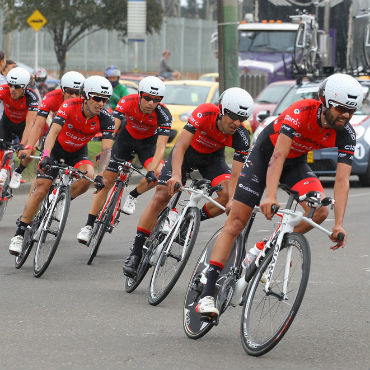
[7, 159]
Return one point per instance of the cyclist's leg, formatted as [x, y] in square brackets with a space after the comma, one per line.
[299, 176]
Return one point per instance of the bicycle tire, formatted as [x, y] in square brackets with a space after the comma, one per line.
[152, 242]
[26, 246]
[195, 328]
[102, 226]
[176, 252]
[366, 45]
[298, 50]
[254, 340]
[39, 265]
[5, 192]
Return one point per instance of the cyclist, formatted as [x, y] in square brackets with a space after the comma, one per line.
[201, 146]
[146, 125]
[20, 107]
[280, 155]
[75, 124]
[40, 78]
[113, 74]
[71, 84]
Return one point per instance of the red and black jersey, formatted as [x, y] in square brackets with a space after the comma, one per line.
[208, 138]
[77, 131]
[302, 123]
[51, 102]
[16, 110]
[140, 125]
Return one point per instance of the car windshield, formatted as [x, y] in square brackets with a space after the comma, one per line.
[185, 94]
[266, 41]
[273, 93]
[311, 92]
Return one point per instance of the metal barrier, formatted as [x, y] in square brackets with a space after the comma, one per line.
[253, 83]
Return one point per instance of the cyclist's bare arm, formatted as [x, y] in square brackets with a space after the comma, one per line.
[106, 146]
[117, 125]
[159, 153]
[341, 189]
[274, 171]
[30, 119]
[182, 144]
[52, 136]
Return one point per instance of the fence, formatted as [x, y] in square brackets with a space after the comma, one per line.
[187, 39]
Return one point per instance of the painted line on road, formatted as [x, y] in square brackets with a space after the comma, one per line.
[358, 195]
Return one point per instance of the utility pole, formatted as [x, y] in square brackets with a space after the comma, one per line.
[228, 44]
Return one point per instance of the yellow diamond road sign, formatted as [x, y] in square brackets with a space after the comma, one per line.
[36, 20]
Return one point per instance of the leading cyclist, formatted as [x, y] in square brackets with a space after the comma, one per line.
[280, 155]
[77, 121]
[201, 145]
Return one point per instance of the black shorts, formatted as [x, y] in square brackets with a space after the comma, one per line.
[212, 166]
[125, 148]
[10, 130]
[296, 174]
[72, 159]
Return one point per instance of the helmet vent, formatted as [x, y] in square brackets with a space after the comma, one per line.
[352, 97]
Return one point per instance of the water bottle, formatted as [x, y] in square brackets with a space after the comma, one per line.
[3, 176]
[173, 214]
[252, 254]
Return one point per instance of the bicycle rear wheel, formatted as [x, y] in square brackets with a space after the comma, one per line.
[102, 226]
[266, 317]
[174, 257]
[151, 244]
[52, 232]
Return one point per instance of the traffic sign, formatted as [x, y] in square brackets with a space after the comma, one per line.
[36, 20]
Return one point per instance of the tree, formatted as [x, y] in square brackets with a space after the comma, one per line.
[69, 21]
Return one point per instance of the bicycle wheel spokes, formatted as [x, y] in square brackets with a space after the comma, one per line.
[174, 257]
[267, 315]
[51, 234]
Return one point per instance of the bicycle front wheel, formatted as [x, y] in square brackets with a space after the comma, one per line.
[174, 257]
[51, 233]
[102, 226]
[27, 245]
[267, 316]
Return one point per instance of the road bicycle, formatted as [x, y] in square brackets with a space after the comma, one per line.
[7, 164]
[270, 290]
[47, 227]
[172, 250]
[306, 45]
[108, 217]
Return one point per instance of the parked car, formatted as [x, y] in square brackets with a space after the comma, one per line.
[209, 77]
[267, 99]
[183, 96]
[323, 162]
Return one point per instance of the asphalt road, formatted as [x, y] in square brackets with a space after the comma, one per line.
[79, 317]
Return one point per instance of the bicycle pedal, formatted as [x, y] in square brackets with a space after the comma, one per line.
[209, 319]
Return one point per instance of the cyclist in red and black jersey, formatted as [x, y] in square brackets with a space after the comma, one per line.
[143, 125]
[201, 145]
[71, 84]
[77, 121]
[20, 107]
[279, 155]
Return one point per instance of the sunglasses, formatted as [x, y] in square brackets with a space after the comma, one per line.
[72, 91]
[342, 109]
[15, 86]
[235, 117]
[98, 99]
[151, 98]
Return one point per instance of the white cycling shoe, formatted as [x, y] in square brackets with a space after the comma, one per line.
[129, 205]
[15, 181]
[85, 234]
[206, 306]
[15, 246]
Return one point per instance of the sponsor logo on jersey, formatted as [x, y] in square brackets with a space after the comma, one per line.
[199, 115]
[296, 111]
[292, 120]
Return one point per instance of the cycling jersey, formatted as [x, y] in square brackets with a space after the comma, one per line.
[16, 110]
[140, 125]
[51, 102]
[77, 131]
[302, 123]
[208, 138]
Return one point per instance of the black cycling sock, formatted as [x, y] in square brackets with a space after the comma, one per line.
[134, 193]
[20, 168]
[204, 214]
[140, 238]
[21, 229]
[213, 272]
[90, 220]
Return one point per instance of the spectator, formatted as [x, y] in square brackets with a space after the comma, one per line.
[165, 70]
[10, 64]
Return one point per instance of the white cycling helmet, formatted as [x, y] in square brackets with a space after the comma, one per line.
[152, 85]
[97, 85]
[18, 76]
[341, 89]
[72, 80]
[236, 100]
